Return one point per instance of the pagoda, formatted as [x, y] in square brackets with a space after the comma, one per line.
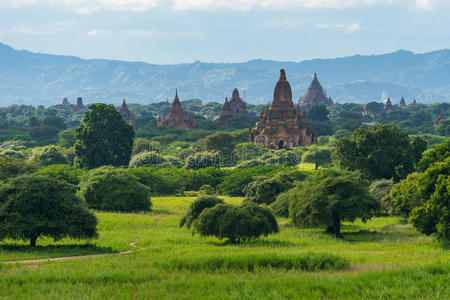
[79, 107]
[388, 104]
[233, 108]
[315, 95]
[402, 102]
[124, 111]
[65, 101]
[440, 118]
[176, 118]
[282, 125]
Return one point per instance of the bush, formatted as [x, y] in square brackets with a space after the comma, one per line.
[207, 190]
[280, 206]
[143, 145]
[380, 190]
[112, 189]
[249, 164]
[67, 173]
[196, 208]
[34, 205]
[48, 155]
[11, 167]
[145, 159]
[66, 138]
[13, 154]
[329, 197]
[236, 223]
[203, 160]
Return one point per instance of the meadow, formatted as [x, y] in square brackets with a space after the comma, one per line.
[384, 258]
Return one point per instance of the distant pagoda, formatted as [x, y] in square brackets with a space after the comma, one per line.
[402, 102]
[124, 111]
[440, 118]
[282, 125]
[177, 118]
[233, 108]
[315, 95]
[65, 101]
[388, 104]
[79, 107]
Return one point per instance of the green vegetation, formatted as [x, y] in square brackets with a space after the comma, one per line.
[33, 205]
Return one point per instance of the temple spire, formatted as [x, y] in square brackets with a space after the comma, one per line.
[282, 75]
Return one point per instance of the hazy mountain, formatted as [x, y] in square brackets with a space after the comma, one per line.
[34, 78]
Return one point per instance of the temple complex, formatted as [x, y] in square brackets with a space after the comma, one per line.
[79, 106]
[402, 102]
[124, 111]
[388, 104]
[282, 125]
[176, 118]
[314, 95]
[440, 118]
[233, 108]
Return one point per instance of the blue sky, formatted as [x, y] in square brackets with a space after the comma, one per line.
[176, 31]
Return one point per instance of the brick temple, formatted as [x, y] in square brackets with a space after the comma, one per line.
[314, 95]
[177, 117]
[233, 108]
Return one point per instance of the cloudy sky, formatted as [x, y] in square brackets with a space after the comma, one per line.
[175, 31]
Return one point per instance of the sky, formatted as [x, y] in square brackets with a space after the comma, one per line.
[183, 31]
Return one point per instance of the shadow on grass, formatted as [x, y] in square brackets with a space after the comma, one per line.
[56, 250]
[257, 243]
[378, 236]
[156, 212]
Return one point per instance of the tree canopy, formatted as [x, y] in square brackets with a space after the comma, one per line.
[103, 138]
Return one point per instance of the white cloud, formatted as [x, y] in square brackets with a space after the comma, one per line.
[348, 27]
[423, 4]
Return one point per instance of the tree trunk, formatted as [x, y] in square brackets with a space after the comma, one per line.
[335, 227]
[317, 166]
[33, 241]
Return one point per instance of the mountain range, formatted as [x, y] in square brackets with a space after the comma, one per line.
[44, 79]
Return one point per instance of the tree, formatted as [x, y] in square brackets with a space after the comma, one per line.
[112, 189]
[206, 189]
[318, 113]
[433, 215]
[144, 145]
[144, 159]
[34, 205]
[196, 208]
[203, 160]
[66, 173]
[11, 167]
[43, 132]
[223, 142]
[48, 155]
[381, 151]
[320, 156]
[103, 138]
[66, 138]
[405, 195]
[438, 153]
[380, 190]
[236, 223]
[443, 128]
[330, 197]
[54, 121]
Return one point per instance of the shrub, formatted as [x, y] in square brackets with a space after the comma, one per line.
[48, 155]
[249, 164]
[196, 208]
[329, 197]
[67, 173]
[280, 206]
[320, 156]
[11, 167]
[145, 159]
[236, 223]
[203, 160]
[34, 205]
[207, 190]
[13, 154]
[112, 189]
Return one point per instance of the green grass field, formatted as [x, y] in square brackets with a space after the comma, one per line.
[388, 260]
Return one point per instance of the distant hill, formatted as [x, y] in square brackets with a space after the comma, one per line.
[34, 78]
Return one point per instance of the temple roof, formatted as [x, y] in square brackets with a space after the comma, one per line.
[282, 94]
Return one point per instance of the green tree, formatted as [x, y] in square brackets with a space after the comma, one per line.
[67, 173]
[330, 197]
[222, 142]
[203, 160]
[443, 128]
[34, 205]
[54, 121]
[320, 156]
[145, 159]
[48, 155]
[144, 145]
[381, 151]
[236, 223]
[112, 189]
[11, 167]
[43, 133]
[405, 195]
[438, 153]
[66, 138]
[103, 138]
[196, 208]
[380, 190]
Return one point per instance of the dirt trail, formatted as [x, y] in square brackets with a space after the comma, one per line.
[38, 260]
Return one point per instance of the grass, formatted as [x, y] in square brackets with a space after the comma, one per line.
[388, 258]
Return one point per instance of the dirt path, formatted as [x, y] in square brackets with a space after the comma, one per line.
[38, 260]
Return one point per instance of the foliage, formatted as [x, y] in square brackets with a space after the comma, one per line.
[11, 167]
[248, 151]
[330, 197]
[433, 215]
[438, 153]
[34, 205]
[207, 190]
[280, 206]
[48, 155]
[113, 189]
[263, 190]
[236, 223]
[405, 195]
[381, 151]
[443, 128]
[67, 173]
[145, 159]
[223, 142]
[320, 156]
[197, 207]
[203, 159]
[54, 121]
[144, 145]
[380, 190]
[103, 138]
[66, 138]
[249, 164]
[43, 132]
